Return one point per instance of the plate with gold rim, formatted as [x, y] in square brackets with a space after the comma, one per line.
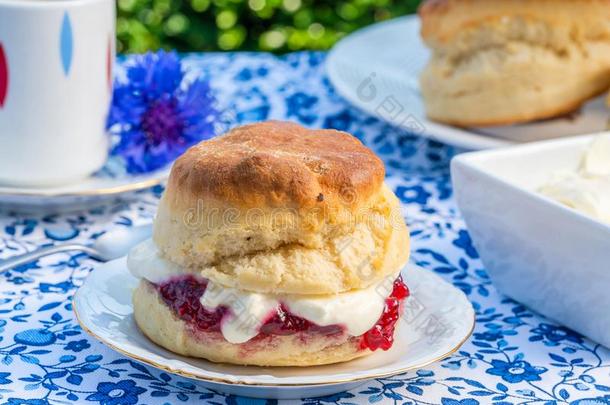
[94, 190]
[438, 319]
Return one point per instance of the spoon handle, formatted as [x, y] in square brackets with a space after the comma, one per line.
[37, 254]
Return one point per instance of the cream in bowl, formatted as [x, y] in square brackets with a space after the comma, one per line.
[586, 189]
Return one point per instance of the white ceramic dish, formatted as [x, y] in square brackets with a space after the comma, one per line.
[377, 69]
[94, 190]
[438, 319]
[539, 252]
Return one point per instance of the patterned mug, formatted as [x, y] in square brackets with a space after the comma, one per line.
[56, 61]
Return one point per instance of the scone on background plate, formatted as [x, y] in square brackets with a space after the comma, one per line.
[274, 245]
[497, 62]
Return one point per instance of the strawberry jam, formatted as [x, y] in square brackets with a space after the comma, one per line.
[381, 336]
[182, 295]
[285, 323]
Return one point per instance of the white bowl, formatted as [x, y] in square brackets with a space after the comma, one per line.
[537, 251]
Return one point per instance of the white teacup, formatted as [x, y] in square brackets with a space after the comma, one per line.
[56, 61]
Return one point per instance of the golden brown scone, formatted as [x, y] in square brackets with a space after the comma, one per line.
[277, 164]
[274, 207]
[264, 227]
[497, 62]
[161, 326]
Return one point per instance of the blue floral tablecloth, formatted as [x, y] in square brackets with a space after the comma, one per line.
[514, 356]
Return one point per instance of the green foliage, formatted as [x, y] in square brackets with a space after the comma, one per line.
[270, 25]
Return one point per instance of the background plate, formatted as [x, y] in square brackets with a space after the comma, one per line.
[438, 319]
[377, 69]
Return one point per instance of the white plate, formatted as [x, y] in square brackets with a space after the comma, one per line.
[377, 70]
[438, 319]
[93, 190]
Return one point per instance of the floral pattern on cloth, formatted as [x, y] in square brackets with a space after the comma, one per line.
[514, 355]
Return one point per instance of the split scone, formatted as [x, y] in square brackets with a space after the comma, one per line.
[497, 62]
[274, 245]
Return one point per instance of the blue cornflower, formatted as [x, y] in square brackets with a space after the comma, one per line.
[515, 371]
[124, 392]
[156, 114]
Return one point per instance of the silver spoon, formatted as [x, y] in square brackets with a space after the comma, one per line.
[111, 245]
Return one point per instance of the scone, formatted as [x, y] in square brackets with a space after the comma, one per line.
[497, 62]
[274, 245]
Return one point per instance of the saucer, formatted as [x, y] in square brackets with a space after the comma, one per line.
[105, 185]
[438, 319]
[377, 69]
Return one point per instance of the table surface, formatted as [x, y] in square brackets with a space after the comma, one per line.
[514, 356]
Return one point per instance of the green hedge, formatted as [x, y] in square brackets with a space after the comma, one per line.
[270, 25]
